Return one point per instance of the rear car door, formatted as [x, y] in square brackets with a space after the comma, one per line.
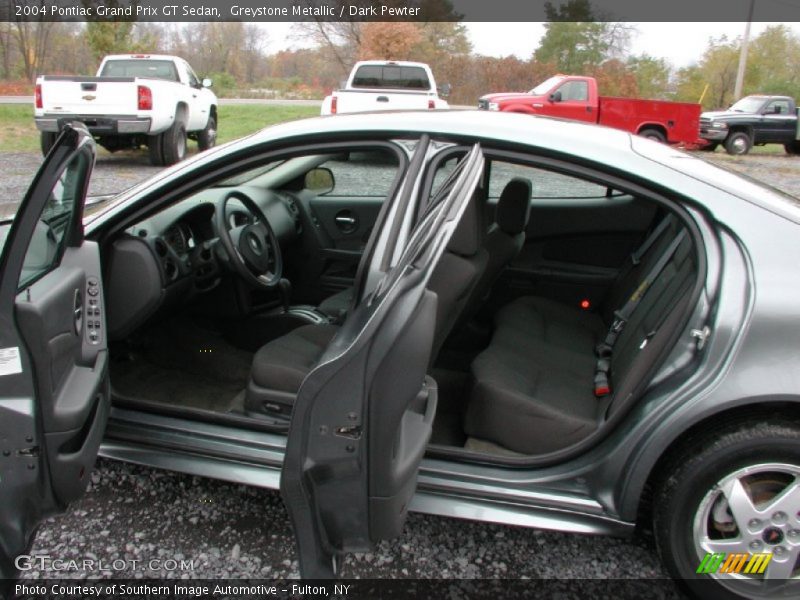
[54, 392]
[363, 416]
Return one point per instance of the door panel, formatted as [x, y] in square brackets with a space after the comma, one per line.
[364, 415]
[579, 235]
[574, 248]
[54, 397]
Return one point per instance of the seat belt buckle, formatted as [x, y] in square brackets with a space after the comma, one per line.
[601, 385]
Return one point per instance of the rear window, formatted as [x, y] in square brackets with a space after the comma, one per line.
[136, 67]
[391, 77]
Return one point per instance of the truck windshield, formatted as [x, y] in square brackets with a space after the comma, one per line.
[391, 77]
[750, 104]
[138, 67]
[546, 85]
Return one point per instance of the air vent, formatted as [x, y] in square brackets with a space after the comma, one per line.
[170, 270]
[161, 247]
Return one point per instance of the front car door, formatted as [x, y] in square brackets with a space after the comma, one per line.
[54, 392]
[363, 416]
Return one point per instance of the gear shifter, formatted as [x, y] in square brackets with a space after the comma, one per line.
[285, 290]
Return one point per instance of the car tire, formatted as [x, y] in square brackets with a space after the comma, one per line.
[173, 143]
[738, 143]
[46, 141]
[792, 148]
[653, 134]
[207, 138]
[154, 148]
[693, 516]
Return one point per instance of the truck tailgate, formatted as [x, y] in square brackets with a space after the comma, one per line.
[90, 95]
[367, 100]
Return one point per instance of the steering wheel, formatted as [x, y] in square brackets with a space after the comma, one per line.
[253, 250]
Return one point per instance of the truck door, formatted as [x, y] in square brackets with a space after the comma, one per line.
[571, 101]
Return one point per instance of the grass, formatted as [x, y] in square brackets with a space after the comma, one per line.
[19, 134]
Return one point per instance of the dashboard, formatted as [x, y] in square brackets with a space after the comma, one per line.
[173, 255]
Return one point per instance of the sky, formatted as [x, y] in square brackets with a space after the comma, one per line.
[521, 39]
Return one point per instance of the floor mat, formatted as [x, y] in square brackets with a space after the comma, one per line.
[182, 363]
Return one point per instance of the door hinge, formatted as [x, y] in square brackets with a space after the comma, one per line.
[352, 432]
[701, 335]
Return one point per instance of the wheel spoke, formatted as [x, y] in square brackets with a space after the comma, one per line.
[781, 569]
[788, 501]
[724, 546]
[742, 507]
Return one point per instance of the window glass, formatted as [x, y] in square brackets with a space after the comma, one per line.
[574, 90]
[545, 184]
[49, 238]
[391, 77]
[367, 173]
[778, 107]
[139, 67]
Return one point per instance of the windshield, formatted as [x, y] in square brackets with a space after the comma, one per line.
[751, 104]
[546, 85]
[138, 67]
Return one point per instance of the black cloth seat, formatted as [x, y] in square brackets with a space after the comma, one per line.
[533, 388]
[280, 366]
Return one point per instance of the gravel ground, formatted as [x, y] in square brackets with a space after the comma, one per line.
[132, 513]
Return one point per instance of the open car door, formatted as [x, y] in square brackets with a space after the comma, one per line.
[54, 393]
[363, 415]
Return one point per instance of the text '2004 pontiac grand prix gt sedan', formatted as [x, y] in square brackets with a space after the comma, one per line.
[479, 315]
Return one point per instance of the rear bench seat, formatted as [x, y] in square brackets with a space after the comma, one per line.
[535, 388]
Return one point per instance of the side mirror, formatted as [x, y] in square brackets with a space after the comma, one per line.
[555, 97]
[444, 90]
[319, 180]
[207, 83]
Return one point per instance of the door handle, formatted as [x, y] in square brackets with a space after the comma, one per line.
[77, 312]
[382, 99]
[346, 221]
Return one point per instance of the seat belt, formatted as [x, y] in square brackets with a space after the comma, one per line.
[636, 257]
[602, 386]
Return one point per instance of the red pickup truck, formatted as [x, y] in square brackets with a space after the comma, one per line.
[576, 98]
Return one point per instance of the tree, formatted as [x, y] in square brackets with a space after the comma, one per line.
[773, 65]
[32, 41]
[652, 75]
[574, 41]
[388, 41]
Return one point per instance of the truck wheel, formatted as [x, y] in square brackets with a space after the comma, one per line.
[733, 496]
[738, 143]
[154, 147]
[47, 139]
[653, 134]
[173, 143]
[208, 137]
[792, 148]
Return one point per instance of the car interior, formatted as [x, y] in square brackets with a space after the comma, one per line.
[558, 295]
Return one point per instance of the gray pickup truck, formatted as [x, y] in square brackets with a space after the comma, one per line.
[752, 121]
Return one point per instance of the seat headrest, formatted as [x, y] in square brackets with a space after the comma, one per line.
[514, 206]
[468, 236]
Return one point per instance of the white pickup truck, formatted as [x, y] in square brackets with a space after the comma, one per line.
[387, 85]
[135, 100]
